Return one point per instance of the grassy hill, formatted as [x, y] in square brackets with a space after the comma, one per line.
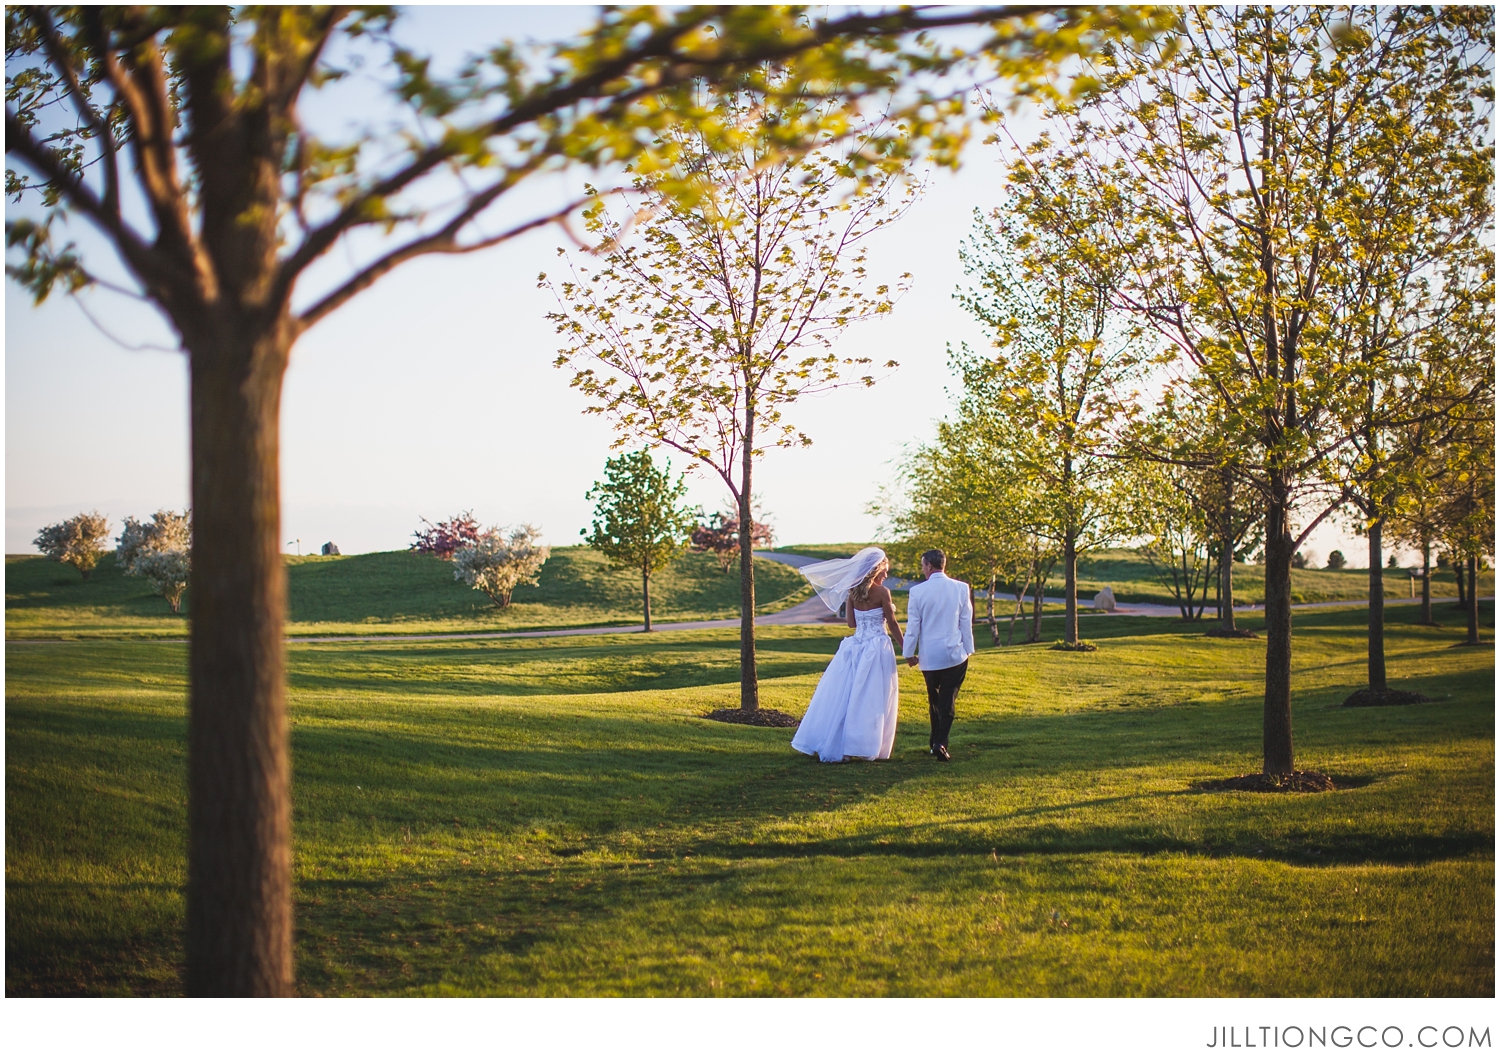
[394, 592]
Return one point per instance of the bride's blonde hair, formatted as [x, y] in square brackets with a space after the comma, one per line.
[861, 591]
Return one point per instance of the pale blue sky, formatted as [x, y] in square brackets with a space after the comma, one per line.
[434, 392]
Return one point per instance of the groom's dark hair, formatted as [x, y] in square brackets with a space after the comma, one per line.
[937, 559]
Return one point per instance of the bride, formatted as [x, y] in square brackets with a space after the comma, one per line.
[853, 712]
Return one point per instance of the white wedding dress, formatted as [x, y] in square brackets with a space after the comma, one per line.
[853, 711]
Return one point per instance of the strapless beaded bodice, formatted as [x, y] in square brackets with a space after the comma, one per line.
[869, 624]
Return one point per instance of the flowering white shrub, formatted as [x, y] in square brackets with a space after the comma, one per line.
[167, 571]
[78, 541]
[167, 530]
[501, 561]
[159, 550]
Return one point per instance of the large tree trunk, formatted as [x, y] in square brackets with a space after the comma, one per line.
[749, 683]
[1426, 582]
[1472, 602]
[1070, 586]
[1376, 642]
[1276, 725]
[646, 595]
[239, 898]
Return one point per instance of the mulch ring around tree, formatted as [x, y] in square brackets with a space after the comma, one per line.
[1299, 782]
[1366, 697]
[760, 718]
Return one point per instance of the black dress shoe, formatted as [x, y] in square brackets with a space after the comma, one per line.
[941, 753]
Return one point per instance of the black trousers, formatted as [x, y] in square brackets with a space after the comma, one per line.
[942, 689]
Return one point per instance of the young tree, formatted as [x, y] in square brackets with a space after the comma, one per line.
[1418, 519]
[1064, 363]
[1231, 511]
[699, 330]
[1468, 513]
[161, 551]
[78, 541]
[1246, 152]
[1184, 438]
[195, 114]
[1413, 295]
[500, 561]
[966, 496]
[1177, 542]
[640, 521]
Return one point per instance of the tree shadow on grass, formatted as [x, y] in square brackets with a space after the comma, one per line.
[517, 670]
[1315, 849]
[407, 931]
[136, 948]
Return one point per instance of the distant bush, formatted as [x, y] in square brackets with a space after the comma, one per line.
[1336, 560]
[499, 561]
[722, 536]
[331, 550]
[160, 551]
[1298, 561]
[446, 537]
[78, 541]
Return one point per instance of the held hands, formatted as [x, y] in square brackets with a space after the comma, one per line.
[912, 661]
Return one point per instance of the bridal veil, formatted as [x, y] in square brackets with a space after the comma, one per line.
[833, 579]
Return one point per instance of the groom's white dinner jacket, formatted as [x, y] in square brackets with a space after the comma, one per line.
[939, 623]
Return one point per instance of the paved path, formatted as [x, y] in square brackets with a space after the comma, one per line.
[1155, 609]
[810, 612]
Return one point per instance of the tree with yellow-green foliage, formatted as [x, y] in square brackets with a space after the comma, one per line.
[1267, 157]
[699, 329]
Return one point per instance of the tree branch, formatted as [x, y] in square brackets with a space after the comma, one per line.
[63, 62]
[682, 67]
[140, 255]
[1343, 498]
[442, 242]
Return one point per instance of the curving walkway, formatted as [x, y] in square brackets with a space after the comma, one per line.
[811, 611]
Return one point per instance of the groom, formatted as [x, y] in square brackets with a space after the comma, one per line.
[939, 637]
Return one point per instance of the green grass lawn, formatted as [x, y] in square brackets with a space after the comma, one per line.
[554, 817]
[395, 592]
